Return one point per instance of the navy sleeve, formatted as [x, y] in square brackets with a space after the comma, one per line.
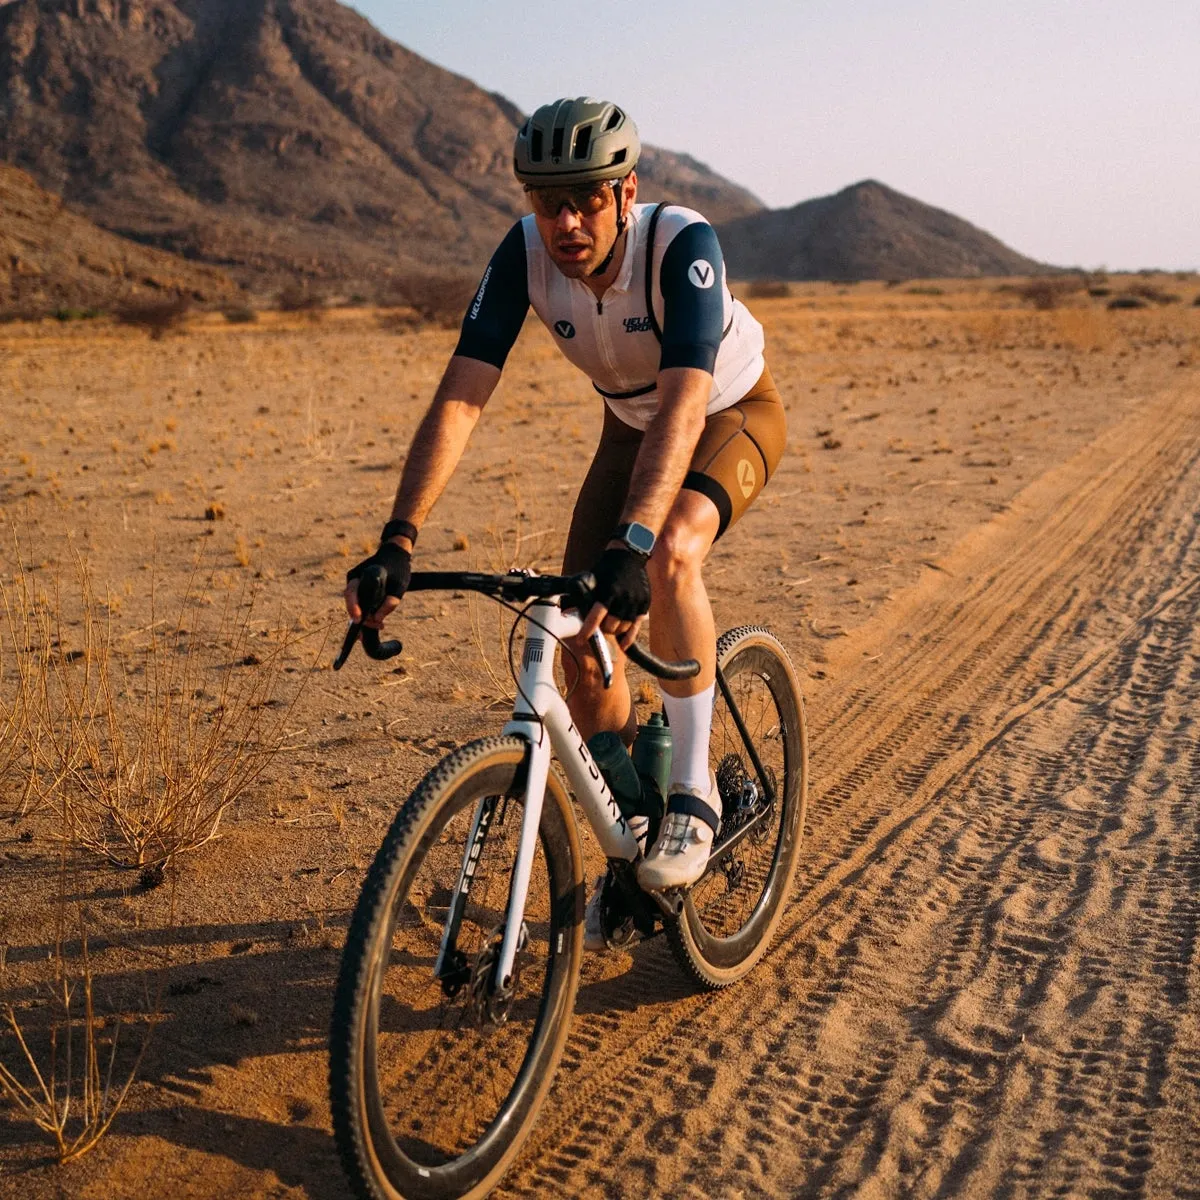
[692, 281]
[498, 310]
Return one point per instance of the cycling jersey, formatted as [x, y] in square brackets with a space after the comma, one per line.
[613, 339]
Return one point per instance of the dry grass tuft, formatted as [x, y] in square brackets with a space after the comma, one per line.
[73, 1069]
[156, 316]
[148, 746]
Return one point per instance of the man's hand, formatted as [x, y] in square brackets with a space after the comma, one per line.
[622, 595]
[397, 563]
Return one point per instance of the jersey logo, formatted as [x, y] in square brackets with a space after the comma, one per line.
[745, 477]
[637, 325]
[701, 274]
[564, 329]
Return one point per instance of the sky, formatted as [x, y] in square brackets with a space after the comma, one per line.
[1069, 129]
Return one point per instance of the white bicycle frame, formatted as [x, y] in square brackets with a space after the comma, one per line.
[541, 718]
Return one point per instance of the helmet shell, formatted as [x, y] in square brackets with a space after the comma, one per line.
[575, 141]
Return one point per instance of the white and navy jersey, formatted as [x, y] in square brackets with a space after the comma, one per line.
[613, 340]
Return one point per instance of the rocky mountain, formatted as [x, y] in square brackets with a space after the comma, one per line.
[866, 231]
[273, 138]
[51, 257]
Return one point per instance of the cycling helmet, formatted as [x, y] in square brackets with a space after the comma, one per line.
[575, 141]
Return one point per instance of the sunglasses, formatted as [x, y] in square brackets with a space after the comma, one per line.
[585, 200]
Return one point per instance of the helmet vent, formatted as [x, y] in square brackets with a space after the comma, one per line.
[583, 142]
[556, 142]
[535, 149]
[618, 157]
[614, 119]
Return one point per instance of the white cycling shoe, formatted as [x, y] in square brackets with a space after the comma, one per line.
[685, 837]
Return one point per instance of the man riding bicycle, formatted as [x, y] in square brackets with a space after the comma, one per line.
[635, 296]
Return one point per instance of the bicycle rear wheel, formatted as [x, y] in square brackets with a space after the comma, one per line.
[435, 1083]
[730, 914]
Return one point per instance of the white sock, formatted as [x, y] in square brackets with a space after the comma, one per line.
[690, 718]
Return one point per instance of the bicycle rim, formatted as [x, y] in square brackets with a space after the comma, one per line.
[434, 1087]
[730, 914]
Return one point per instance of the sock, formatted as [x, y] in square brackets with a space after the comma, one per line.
[690, 718]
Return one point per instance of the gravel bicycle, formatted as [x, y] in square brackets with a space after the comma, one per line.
[463, 955]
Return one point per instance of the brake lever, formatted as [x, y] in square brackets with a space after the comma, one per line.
[372, 591]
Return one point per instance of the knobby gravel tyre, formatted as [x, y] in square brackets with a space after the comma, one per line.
[433, 1095]
[730, 914]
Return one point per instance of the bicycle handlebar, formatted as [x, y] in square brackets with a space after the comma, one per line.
[573, 591]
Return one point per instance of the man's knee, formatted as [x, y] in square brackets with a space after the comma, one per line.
[678, 554]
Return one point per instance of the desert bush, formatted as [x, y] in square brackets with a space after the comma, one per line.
[22, 671]
[1128, 301]
[768, 289]
[157, 316]
[71, 1075]
[1196, 302]
[436, 299]
[1047, 292]
[239, 314]
[68, 313]
[301, 297]
[925, 290]
[1156, 295]
[150, 746]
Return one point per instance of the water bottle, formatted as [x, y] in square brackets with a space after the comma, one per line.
[651, 758]
[618, 770]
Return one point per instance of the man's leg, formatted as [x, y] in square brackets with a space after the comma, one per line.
[597, 513]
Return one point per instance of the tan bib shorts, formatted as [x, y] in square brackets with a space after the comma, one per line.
[737, 453]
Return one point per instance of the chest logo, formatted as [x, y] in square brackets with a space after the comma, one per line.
[637, 325]
[564, 329]
[745, 476]
[701, 274]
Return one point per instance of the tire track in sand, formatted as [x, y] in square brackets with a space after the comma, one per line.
[984, 981]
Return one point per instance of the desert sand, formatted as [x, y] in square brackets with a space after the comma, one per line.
[981, 551]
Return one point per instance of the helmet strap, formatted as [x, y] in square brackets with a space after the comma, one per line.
[616, 187]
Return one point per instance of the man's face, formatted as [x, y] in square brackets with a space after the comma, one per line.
[579, 224]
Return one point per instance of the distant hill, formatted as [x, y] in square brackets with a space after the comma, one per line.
[866, 231]
[273, 138]
[51, 257]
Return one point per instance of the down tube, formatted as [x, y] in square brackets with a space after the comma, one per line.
[597, 801]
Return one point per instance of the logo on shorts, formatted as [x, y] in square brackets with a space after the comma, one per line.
[745, 474]
[701, 273]
[564, 329]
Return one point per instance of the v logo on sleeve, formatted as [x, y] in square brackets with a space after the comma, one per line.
[564, 329]
[701, 274]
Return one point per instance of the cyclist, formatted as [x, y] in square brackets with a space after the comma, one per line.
[636, 297]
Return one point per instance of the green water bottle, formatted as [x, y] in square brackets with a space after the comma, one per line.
[651, 757]
[617, 768]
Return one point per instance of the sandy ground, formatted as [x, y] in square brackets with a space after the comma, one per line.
[981, 551]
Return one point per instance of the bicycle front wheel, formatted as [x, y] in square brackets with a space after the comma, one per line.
[730, 914]
[436, 1075]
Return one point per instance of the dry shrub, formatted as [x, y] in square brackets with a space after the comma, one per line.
[1156, 295]
[768, 289]
[1048, 292]
[439, 299]
[73, 1069]
[156, 316]
[301, 297]
[150, 745]
[22, 670]
[239, 314]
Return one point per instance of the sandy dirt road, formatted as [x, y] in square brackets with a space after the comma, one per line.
[987, 983]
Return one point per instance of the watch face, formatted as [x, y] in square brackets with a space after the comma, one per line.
[638, 537]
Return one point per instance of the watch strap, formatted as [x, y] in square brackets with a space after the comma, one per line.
[399, 529]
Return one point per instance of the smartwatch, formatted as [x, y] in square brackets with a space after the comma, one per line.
[637, 537]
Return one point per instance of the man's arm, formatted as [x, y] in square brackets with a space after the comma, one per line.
[437, 446]
[668, 445]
